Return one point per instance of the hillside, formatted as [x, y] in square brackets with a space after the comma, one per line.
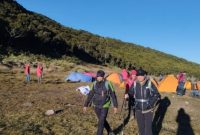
[29, 33]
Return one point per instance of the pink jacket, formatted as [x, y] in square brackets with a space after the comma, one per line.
[27, 69]
[124, 74]
[181, 77]
[128, 85]
[39, 71]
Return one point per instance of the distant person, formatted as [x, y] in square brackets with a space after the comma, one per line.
[181, 77]
[27, 72]
[195, 92]
[100, 95]
[193, 83]
[160, 77]
[39, 72]
[146, 97]
[124, 74]
[128, 92]
[181, 82]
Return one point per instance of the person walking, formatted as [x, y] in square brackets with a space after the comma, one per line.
[27, 72]
[101, 94]
[129, 93]
[39, 72]
[181, 83]
[146, 97]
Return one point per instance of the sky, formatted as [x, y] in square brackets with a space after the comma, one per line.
[170, 26]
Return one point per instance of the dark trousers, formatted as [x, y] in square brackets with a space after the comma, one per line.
[131, 105]
[102, 114]
[144, 121]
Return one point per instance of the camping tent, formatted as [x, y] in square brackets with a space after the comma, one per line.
[188, 85]
[168, 84]
[90, 74]
[198, 85]
[78, 77]
[115, 78]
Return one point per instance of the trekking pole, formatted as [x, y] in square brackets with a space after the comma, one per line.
[122, 106]
[123, 125]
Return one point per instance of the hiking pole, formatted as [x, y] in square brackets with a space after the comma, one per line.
[122, 105]
[123, 125]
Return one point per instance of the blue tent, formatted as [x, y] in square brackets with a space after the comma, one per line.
[78, 77]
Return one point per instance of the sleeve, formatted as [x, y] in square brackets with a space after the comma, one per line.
[89, 97]
[155, 96]
[155, 91]
[127, 88]
[113, 95]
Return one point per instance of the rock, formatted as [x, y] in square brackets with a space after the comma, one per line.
[49, 112]
[28, 104]
[186, 102]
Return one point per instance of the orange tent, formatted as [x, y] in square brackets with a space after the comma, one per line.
[168, 84]
[198, 85]
[122, 85]
[115, 78]
[188, 85]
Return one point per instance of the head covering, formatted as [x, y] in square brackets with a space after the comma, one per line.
[133, 72]
[141, 72]
[100, 73]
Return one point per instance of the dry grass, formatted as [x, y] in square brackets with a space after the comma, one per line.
[22, 108]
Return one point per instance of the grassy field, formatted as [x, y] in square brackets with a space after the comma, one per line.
[22, 108]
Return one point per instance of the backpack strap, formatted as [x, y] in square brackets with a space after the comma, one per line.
[93, 85]
[134, 86]
[107, 84]
[149, 86]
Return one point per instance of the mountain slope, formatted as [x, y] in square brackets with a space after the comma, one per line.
[22, 31]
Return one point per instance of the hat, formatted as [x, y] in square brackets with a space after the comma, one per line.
[141, 72]
[100, 73]
[133, 72]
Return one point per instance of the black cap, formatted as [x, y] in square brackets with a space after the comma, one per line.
[100, 73]
[141, 72]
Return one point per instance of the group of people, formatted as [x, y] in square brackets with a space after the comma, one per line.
[140, 91]
[39, 72]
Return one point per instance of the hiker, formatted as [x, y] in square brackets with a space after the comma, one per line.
[195, 92]
[27, 71]
[100, 95]
[146, 97]
[193, 83]
[181, 82]
[124, 74]
[39, 72]
[160, 77]
[129, 93]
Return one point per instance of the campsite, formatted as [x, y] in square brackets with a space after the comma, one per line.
[23, 106]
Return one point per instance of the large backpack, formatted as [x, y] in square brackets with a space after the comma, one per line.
[106, 85]
[153, 100]
[133, 88]
[108, 94]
